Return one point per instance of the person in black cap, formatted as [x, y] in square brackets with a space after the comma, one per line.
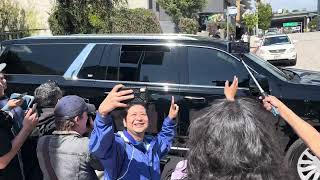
[65, 154]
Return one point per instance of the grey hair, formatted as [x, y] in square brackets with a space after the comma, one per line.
[47, 94]
[235, 141]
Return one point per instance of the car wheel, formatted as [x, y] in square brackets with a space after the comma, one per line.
[293, 63]
[303, 161]
[170, 167]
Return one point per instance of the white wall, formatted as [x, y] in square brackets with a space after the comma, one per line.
[132, 4]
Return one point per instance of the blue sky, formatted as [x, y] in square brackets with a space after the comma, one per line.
[293, 4]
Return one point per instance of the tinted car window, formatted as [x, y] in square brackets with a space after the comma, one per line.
[276, 40]
[213, 67]
[92, 69]
[148, 64]
[42, 59]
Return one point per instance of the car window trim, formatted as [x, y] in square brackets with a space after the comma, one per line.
[74, 69]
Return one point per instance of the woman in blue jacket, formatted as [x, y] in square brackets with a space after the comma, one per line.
[130, 154]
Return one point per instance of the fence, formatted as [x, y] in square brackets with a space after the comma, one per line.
[8, 35]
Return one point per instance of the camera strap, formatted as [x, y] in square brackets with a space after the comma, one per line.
[46, 156]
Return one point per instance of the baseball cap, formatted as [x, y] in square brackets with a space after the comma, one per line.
[2, 66]
[69, 107]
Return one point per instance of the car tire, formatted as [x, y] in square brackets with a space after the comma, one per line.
[170, 167]
[302, 161]
[293, 63]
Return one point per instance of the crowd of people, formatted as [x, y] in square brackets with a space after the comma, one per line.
[67, 138]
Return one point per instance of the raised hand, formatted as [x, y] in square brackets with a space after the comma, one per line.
[13, 103]
[30, 120]
[114, 98]
[231, 91]
[271, 101]
[174, 109]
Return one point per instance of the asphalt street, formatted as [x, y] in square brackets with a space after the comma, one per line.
[308, 49]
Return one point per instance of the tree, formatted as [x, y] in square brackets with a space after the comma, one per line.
[250, 20]
[264, 15]
[15, 18]
[91, 19]
[313, 24]
[178, 9]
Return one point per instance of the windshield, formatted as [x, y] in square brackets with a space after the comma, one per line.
[276, 40]
[269, 67]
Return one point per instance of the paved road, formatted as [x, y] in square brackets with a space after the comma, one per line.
[308, 49]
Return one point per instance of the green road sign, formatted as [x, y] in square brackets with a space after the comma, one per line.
[290, 24]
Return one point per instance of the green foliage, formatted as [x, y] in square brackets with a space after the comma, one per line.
[70, 18]
[313, 24]
[188, 26]
[135, 21]
[79, 18]
[264, 15]
[14, 18]
[250, 20]
[178, 9]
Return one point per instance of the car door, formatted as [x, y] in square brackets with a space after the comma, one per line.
[208, 69]
[152, 66]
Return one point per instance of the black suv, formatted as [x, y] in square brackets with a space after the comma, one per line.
[192, 69]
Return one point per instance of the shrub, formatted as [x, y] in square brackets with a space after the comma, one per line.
[123, 20]
[135, 21]
[188, 25]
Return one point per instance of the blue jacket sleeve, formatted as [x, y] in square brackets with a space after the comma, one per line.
[165, 137]
[103, 143]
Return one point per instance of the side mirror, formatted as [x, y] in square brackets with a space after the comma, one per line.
[262, 80]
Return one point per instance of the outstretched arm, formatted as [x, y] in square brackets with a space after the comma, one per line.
[104, 145]
[29, 123]
[102, 139]
[304, 130]
[167, 133]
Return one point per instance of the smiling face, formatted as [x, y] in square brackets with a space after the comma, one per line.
[136, 121]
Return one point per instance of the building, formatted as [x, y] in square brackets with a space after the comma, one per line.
[212, 7]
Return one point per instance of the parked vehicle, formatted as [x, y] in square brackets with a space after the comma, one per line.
[278, 49]
[192, 69]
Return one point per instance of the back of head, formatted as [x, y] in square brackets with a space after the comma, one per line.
[47, 94]
[235, 140]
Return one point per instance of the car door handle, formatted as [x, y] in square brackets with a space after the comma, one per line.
[197, 99]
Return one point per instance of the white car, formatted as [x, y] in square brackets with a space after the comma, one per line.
[277, 49]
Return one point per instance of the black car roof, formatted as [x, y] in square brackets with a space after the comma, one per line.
[123, 38]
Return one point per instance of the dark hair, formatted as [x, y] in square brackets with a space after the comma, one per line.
[235, 141]
[67, 124]
[124, 111]
[47, 94]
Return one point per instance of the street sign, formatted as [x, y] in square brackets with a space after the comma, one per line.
[232, 11]
[290, 24]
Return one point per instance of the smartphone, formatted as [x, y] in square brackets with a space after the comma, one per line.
[34, 107]
[140, 95]
[27, 99]
[18, 96]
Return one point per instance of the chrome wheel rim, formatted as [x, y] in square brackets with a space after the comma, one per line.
[308, 166]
